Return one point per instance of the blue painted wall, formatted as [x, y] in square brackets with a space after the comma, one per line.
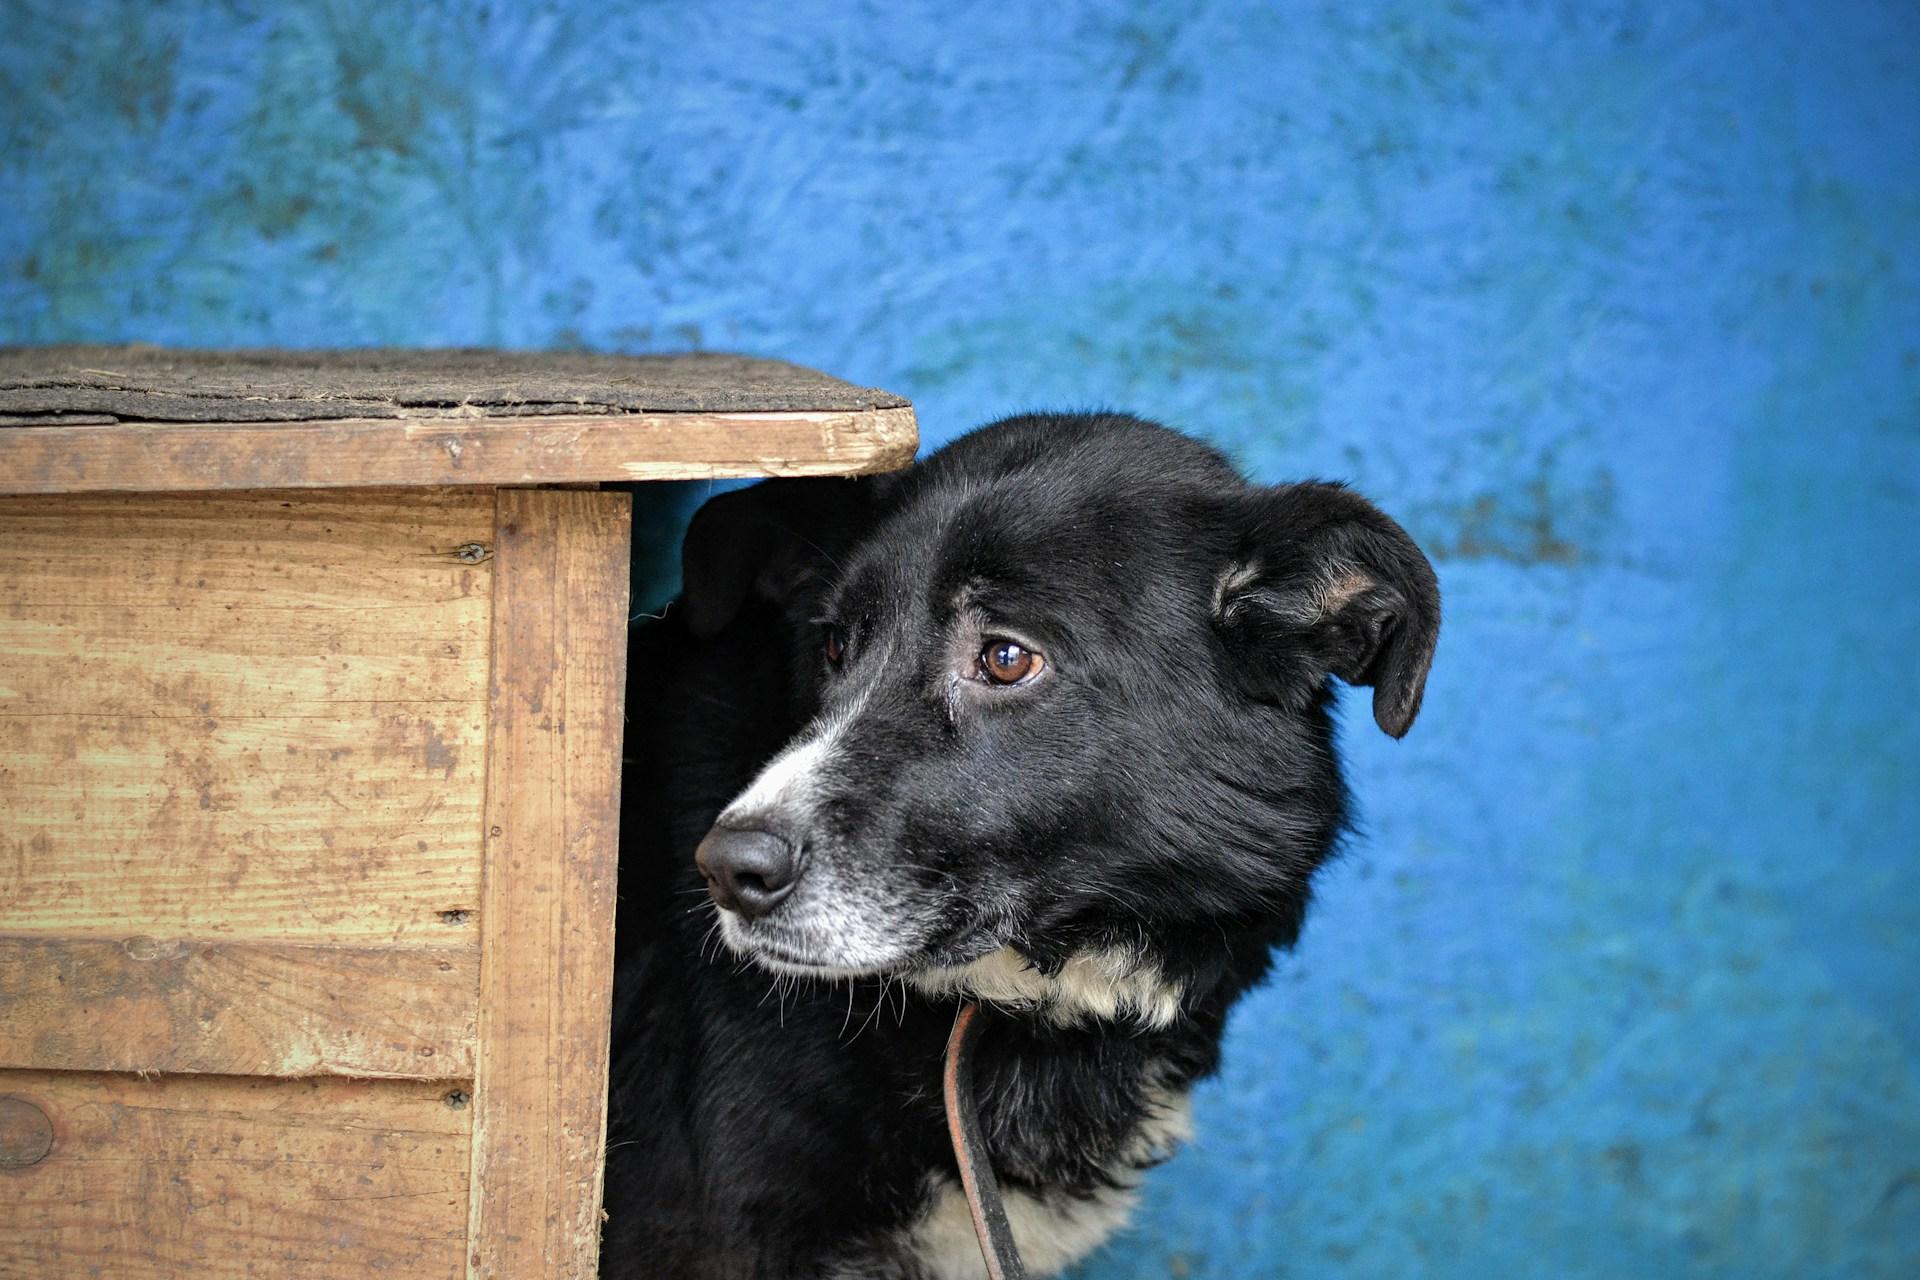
[1617, 305]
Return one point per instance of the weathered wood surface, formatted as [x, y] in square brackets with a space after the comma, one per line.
[243, 716]
[146, 457]
[546, 916]
[80, 419]
[218, 1178]
[141, 382]
[148, 1004]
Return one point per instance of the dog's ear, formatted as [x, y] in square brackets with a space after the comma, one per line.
[766, 541]
[1325, 583]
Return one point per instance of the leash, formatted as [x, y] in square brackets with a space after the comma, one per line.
[989, 1212]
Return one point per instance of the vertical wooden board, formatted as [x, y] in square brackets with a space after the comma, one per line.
[243, 716]
[219, 1177]
[547, 897]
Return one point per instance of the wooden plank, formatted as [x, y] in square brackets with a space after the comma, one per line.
[353, 453]
[347, 830]
[235, 604]
[560, 592]
[144, 1004]
[243, 716]
[217, 1178]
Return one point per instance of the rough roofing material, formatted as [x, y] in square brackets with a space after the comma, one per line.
[78, 384]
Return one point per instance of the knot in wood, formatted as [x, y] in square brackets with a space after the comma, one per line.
[26, 1135]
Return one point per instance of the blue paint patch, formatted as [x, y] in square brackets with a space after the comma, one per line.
[1617, 305]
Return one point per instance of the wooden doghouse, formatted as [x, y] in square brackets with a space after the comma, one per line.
[311, 673]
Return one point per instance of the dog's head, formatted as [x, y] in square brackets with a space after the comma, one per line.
[1065, 692]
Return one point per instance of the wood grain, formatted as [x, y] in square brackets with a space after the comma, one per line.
[350, 453]
[243, 604]
[560, 591]
[243, 716]
[216, 1177]
[144, 1004]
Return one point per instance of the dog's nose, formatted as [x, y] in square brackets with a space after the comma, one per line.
[747, 871]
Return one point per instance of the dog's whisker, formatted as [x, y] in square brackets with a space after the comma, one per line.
[824, 554]
[849, 1008]
[932, 871]
[873, 1012]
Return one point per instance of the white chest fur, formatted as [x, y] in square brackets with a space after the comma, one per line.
[1054, 1230]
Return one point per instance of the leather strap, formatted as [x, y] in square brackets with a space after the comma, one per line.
[989, 1212]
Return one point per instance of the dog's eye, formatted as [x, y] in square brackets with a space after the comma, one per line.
[835, 645]
[1009, 662]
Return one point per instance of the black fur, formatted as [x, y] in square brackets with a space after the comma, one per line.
[1165, 789]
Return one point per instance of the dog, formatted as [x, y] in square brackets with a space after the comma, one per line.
[1043, 722]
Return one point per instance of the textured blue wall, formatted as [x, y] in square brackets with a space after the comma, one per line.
[1618, 306]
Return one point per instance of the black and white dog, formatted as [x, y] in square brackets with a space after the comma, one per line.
[1043, 722]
